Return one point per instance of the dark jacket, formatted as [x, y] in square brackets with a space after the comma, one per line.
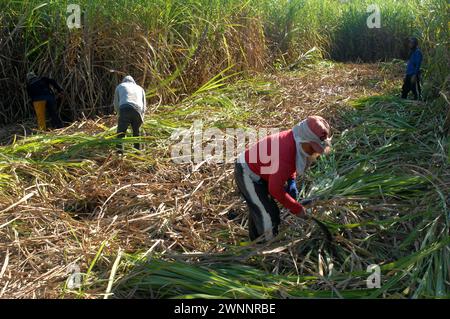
[39, 88]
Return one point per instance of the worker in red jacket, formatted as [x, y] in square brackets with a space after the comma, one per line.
[267, 170]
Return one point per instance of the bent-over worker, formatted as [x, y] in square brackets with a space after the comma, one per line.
[130, 104]
[41, 94]
[267, 170]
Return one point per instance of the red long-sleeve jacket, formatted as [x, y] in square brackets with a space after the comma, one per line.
[259, 158]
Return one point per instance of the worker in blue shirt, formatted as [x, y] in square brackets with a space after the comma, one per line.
[412, 78]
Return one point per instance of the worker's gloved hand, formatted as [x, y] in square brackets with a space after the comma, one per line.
[291, 188]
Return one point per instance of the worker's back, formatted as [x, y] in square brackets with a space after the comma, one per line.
[129, 93]
[40, 87]
[274, 154]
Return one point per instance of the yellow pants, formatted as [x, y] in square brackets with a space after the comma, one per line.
[40, 107]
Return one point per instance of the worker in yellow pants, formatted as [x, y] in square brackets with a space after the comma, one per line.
[44, 101]
[40, 107]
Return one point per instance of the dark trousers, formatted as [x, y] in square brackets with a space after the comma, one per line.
[128, 116]
[408, 86]
[264, 214]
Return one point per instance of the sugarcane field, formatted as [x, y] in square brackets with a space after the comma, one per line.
[224, 149]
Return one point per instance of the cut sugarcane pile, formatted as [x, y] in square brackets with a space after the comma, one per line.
[386, 185]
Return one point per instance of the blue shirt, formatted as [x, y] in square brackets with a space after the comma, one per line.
[414, 62]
